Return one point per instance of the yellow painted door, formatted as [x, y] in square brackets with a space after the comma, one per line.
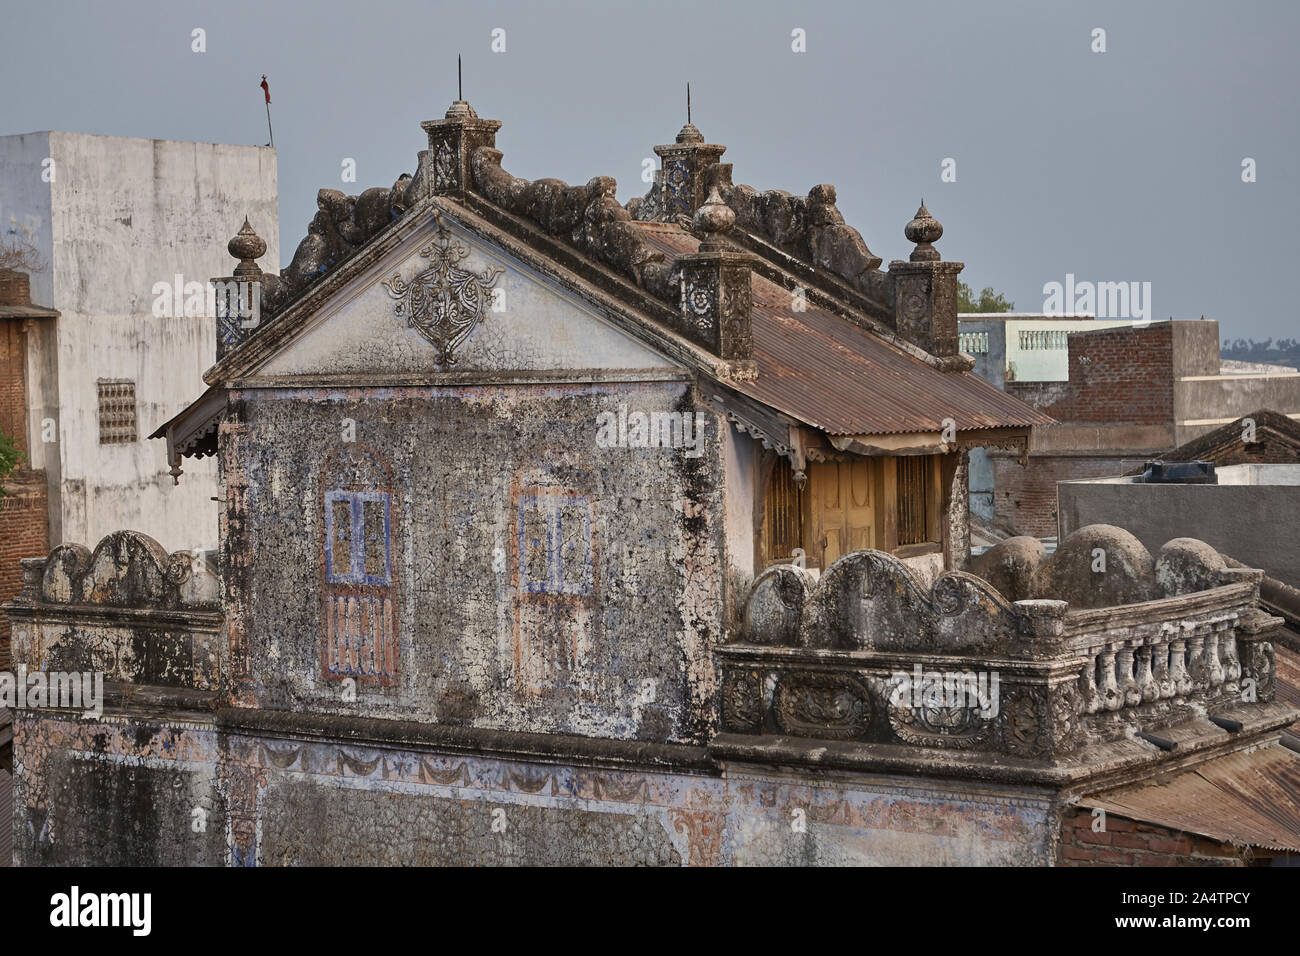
[843, 506]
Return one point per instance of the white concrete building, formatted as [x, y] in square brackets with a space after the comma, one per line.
[116, 220]
[1030, 346]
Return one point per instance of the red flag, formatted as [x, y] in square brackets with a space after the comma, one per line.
[266, 89]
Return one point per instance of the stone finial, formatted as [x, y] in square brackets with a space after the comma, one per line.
[460, 109]
[714, 219]
[924, 230]
[690, 134]
[925, 294]
[247, 246]
[716, 294]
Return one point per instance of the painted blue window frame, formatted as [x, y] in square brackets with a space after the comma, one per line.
[354, 573]
[553, 507]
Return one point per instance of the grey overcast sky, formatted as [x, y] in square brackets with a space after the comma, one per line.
[1117, 166]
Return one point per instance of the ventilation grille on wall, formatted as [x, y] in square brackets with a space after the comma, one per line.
[116, 411]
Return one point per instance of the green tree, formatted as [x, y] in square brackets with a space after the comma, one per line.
[988, 301]
[10, 458]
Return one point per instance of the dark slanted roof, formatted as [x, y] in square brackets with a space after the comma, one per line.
[1277, 440]
[1287, 682]
[837, 377]
[6, 814]
[1245, 799]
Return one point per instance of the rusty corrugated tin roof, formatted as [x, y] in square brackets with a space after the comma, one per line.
[6, 819]
[835, 376]
[1287, 682]
[6, 793]
[1246, 799]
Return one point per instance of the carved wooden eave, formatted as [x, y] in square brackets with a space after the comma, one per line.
[775, 431]
[193, 432]
[1008, 439]
[933, 443]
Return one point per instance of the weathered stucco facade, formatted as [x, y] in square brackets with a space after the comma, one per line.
[469, 612]
[111, 218]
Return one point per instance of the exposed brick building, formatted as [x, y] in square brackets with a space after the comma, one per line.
[24, 515]
[1132, 393]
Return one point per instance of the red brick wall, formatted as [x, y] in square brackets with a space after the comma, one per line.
[1117, 377]
[24, 519]
[24, 533]
[13, 395]
[1132, 843]
[1024, 497]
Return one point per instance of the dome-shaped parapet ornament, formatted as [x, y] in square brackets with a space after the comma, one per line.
[924, 230]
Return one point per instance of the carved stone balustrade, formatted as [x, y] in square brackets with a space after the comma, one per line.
[868, 655]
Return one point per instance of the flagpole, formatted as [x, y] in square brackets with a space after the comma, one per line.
[267, 91]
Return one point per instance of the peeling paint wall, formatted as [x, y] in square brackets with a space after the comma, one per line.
[289, 802]
[528, 579]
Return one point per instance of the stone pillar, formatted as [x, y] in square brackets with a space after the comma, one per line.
[686, 173]
[956, 508]
[716, 296]
[926, 292]
[445, 165]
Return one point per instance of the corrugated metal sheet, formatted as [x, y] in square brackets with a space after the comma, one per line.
[6, 794]
[1246, 799]
[6, 819]
[1287, 682]
[835, 376]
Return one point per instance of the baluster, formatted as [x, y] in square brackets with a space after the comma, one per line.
[1196, 666]
[1178, 668]
[1091, 699]
[1160, 654]
[1127, 685]
[1111, 697]
[1214, 668]
[1147, 686]
[1231, 661]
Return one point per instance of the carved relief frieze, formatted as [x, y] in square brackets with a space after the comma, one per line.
[821, 704]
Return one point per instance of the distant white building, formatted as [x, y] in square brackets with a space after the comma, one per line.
[1017, 347]
[116, 220]
[1028, 346]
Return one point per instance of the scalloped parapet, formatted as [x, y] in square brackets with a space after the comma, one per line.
[126, 569]
[128, 610]
[869, 653]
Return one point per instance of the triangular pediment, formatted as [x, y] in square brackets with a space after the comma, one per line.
[444, 299]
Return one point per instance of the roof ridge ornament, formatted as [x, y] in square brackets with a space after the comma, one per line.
[460, 109]
[688, 133]
[247, 246]
[924, 230]
[714, 219]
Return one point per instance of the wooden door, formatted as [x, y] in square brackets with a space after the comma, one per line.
[842, 498]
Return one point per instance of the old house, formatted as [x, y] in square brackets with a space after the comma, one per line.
[518, 490]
